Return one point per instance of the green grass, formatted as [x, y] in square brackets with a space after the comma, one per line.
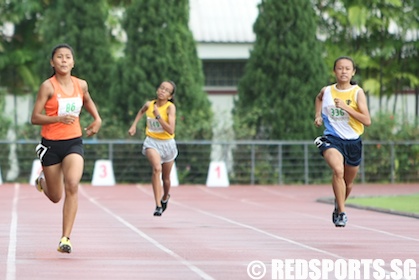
[402, 203]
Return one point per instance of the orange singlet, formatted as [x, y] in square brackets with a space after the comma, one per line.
[62, 104]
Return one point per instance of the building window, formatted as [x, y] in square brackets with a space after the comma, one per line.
[223, 73]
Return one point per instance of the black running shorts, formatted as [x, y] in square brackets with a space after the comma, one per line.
[350, 149]
[51, 152]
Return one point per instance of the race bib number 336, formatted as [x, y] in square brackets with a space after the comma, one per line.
[337, 113]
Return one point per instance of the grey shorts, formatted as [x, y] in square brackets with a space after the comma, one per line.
[167, 149]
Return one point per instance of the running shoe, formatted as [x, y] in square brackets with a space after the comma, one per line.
[65, 245]
[158, 211]
[164, 203]
[335, 213]
[38, 184]
[341, 220]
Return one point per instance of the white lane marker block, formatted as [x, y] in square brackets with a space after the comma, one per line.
[103, 173]
[217, 175]
[36, 170]
[174, 180]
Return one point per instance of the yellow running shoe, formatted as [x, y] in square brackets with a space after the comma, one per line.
[38, 181]
[65, 245]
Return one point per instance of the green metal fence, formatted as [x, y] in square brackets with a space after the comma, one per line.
[248, 162]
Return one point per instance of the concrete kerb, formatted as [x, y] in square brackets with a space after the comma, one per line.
[330, 200]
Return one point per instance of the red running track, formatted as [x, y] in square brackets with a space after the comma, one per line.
[205, 233]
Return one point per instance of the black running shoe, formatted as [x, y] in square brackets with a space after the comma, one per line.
[341, 220]
[164, 203]
[335, 213]
[158, 211]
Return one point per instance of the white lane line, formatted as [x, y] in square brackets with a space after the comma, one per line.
[141, 188]
[302, 245]
[192, 267]
[11, 252]
[263, 206]
[385, 233]
[364, 228]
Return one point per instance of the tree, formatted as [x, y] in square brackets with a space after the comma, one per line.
[82, 24]
[18, 49]
[161, 47]
[19, 44]
[284, 73]
[378, 35]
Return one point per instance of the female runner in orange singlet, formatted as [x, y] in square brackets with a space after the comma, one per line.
[57, 108]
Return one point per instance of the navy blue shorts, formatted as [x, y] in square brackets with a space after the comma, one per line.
[350, 149]
[51, 152]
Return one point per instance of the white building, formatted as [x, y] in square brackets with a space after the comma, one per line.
[223, 30]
